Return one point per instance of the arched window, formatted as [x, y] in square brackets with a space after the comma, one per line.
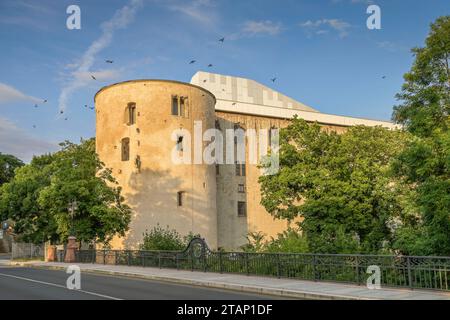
[130, 114]
[125, 149]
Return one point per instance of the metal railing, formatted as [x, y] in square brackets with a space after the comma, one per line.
[396, 271]
[27, 251]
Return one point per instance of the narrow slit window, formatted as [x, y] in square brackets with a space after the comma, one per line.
[182, 106]
[131, 113]
[174, 105]
[180, 143]
[125, 147]
[180, 198]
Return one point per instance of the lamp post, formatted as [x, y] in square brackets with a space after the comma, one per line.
[72, 240]
[73, 206]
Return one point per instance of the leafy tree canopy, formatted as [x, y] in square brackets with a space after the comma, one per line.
[38, 198]
[338, 185]
[8, 164]
[425, 163]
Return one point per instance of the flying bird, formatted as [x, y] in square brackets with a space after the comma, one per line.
[192, 62]
[274, 79]
[45, 100]
[92, 108]
[210, 65]
[93, 77]
[61, 112]
[222, 39]
[109, 61]
[383, 77]
[85, 105]
[34, 126]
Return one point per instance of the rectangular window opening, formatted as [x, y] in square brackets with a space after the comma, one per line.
[242, 209]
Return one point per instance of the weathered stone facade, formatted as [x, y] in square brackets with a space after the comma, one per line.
[210, 195]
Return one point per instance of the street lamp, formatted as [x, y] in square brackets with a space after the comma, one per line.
[73, 206]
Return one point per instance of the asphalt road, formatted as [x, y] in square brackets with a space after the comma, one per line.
[40, 284]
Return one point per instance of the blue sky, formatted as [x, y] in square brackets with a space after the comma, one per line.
[320, 50]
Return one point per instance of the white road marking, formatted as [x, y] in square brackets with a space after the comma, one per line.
[59, 286]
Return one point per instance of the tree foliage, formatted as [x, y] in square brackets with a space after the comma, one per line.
[425, 163]
[8, 164]
[38, 198]
[339, 185]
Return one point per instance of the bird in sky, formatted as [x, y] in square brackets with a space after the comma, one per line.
[109, 61]
[210, 65]
[273, 79]
[92, 108]
[65, 119]
[383, 77]
[192, 62]
[61, 112]
[85, 105]
[93, 77]
[45, 100]
[34, 126]
[222, 39]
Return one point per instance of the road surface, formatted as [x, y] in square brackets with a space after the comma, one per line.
[29, 283]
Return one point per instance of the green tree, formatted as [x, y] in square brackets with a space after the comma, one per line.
[18, 201]
[38, 198]
[8, 164]
[425, 163]
[338, 184]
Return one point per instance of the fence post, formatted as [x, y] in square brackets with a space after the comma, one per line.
[104, 256]
[246, 263]
[128, 257]
[115, 257]
[408, 263]
[314, 267]
[357, 271]
[278, 266]
[220, 262]
[159, 259]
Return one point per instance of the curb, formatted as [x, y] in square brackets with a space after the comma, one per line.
[215, 285]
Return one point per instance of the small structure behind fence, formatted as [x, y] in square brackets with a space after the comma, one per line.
[396, 271]
[22, 250]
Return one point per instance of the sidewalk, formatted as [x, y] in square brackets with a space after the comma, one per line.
[279, 287]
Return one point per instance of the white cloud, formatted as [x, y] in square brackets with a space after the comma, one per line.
[261, 27]
[325, 25]
[21, 144]
[256, 28]
[81, 77]
[197, 10]
[10, 94]
[391, 46]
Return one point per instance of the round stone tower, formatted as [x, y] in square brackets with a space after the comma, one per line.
[141, 125]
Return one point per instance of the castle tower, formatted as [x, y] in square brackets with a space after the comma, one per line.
[138, 131]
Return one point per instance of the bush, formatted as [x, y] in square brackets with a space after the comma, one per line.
[166, 239]
[159, 238]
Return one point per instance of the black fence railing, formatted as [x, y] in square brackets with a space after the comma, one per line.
[395, 271]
